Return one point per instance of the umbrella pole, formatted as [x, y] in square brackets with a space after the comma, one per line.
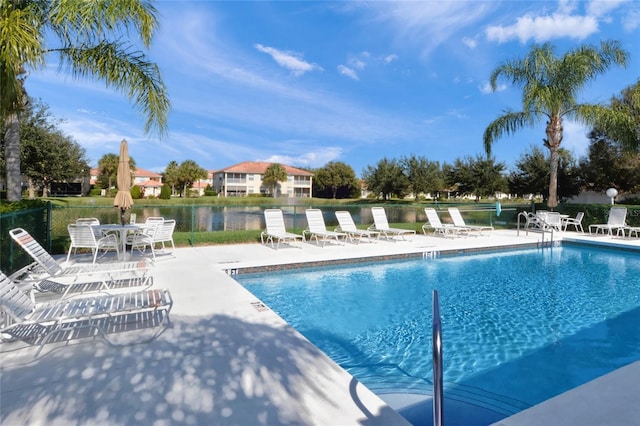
[122, 216]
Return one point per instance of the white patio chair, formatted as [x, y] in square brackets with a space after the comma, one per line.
[576, 222]
[317, 229]
[347, 225]
[459, 222]
[25, 320]
[157, 234]
[82, 236]
[276, 230]
[434, 223]
[380, 224]
[616, 221]
[47, 275]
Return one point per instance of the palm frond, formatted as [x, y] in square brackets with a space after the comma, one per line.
[506, 124]
[20, 46]
[88, 22]
[126, 70]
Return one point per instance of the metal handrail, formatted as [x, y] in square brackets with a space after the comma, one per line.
[437, 362]
[544, 228]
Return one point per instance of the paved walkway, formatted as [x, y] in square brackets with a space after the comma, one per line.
[225, 360]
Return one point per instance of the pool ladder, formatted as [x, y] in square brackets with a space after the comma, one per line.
[437, 362]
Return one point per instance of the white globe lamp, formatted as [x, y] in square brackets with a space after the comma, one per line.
[612, 193]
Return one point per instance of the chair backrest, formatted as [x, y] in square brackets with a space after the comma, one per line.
[432, 217]
[315, 221]
[345, 221]
[87, 221]
[13, 301]
[380, 218]
[579, 217]
[553, 219]
[82, 236]
[35, 250]
[617, 216]
[456, 217]
[154, 220]
[164, 232]
[274, 221]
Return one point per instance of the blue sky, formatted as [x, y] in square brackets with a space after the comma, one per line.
[304, 83]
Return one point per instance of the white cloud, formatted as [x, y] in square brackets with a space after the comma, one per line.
[311, 159]
[631, 20]
[575, 138]
[346, 71]
[544, 28]
[470, 42]
[426, 24]
[485, 89]
[289, 60]
[601, 8]
[390, 58]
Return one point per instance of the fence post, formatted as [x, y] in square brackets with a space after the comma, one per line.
[193, 220]
[48, 227]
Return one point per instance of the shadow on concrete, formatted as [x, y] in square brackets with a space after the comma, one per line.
[217, 370]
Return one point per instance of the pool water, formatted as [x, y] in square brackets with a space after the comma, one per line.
[518, 327]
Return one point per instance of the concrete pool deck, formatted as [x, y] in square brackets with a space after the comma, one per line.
[226, 359]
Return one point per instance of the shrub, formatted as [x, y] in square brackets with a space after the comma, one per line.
[95, 192]
[136, 192]
[165, 192]
[210, 193]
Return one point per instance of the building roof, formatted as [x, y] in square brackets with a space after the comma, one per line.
[138, 173]
[149, 183]
[261, 167]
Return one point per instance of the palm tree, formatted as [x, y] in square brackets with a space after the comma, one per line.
[550, 86]
[274, 174]
[90, 34]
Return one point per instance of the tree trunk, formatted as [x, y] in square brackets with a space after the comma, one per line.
[12, 157]
[554, 138]
[32, 189]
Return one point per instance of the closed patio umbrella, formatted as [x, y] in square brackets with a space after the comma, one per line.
[123, 198]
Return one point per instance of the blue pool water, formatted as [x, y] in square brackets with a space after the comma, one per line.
[518, 327]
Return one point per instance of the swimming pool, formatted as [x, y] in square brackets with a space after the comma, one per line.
[518, 327]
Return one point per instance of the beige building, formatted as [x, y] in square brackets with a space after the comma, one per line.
[244, 179]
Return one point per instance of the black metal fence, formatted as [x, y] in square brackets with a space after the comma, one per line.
[49, 225]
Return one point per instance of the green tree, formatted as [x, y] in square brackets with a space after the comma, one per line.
[335, 178]
[532, 174]
[108, 169]
[608, 165]
[550, 86]
[165, 192]
[424, 176]
[274, 174]
[92, 43]
[188, 172]
[623, 125]
[47, 155]
[171, 175]
[480, 176]
[387, 178]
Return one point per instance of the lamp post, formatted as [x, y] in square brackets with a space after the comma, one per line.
[612, 193]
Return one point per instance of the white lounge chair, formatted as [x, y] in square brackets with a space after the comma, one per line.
[318, 230]
[348, 226]
[49, 275]
[381, 225]
[275, 229]
[576, 222]
[83, 236]
[434, 223]
[23, 319]
[616, 221]
[459, 222]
